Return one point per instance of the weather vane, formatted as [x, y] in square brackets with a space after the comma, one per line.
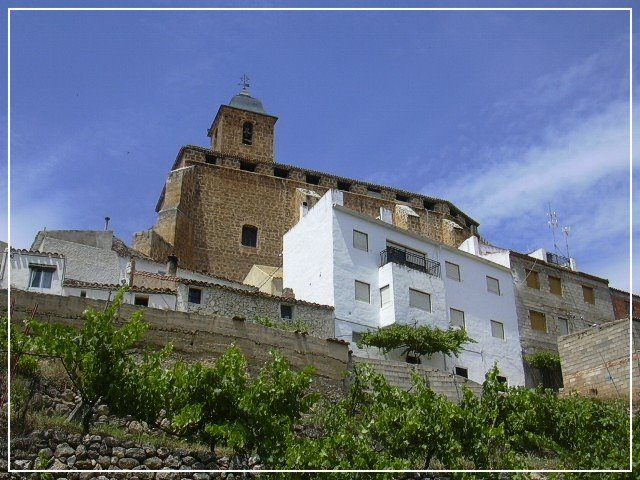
[244, 82]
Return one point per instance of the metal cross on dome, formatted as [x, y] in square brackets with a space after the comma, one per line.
[244, 82]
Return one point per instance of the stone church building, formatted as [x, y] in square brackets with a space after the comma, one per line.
[225, 208]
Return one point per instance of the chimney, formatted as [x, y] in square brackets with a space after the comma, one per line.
[131, 270]
[172, 265]
[288, 293]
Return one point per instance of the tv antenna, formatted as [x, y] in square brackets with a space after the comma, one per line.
[552, 221]
[567, 232]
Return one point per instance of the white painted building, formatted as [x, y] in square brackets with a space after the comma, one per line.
[41, 272]
[376, 274]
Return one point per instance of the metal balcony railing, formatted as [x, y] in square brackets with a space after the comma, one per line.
[410, 259]
[558, 259]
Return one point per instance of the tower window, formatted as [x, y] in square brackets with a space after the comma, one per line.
[249, 236]
[247, 133]
[280, 172]
[402, 198]
[247, 166]
[344, 186]
[313, 179]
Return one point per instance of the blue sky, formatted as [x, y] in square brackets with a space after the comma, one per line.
[498, 112]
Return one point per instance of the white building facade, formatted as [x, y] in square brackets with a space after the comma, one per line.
[376, 274]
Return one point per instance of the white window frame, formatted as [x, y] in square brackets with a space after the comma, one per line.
[385, 292]
[45, 279]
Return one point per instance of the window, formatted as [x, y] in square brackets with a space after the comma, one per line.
[344, 186]
[538, 321]
[587, 294]
[247, 167]
[429, 205]
[142, 300]
[374, 192]
[453, 271]
[41, 276]
[247, 133]
[313, 179]
[462, 372]
[456, 318]
[362, 292]
[195, 295]
[402, 198]
[280, 172]
[356, 337]
[421, 300]
[210, 159]
[360, 241]
[555, 285]
[532, 278]
[385, 296]
[501, 378]
[249, 236]
[83, 294]
[493, 285]
[563, 326]
[286, 311]
[497, 329]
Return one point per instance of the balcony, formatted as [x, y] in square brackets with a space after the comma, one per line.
[410, 259]
[558, 260]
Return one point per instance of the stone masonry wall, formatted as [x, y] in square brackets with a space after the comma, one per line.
[198, 336]
[595, 361]
[621, 303]
[229, 124]
[206, 205]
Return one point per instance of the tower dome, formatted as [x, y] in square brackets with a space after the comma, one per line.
[244, 101]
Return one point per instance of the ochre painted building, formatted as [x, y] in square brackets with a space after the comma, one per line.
[226, 208]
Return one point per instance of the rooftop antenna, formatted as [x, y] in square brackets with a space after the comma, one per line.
[106, 223]
[244, 83]
[567, 232]
[553, 224]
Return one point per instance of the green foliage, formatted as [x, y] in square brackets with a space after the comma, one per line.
[418, 341]
[294, 325]
[543, 360]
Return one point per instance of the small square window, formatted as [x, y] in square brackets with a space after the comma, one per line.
[247, 166]
[497, 329]
[344, 186]
[142, 300]
[501, 379]
[385, 296]
[456, 318]
[493, 285]
[195, 295]
[532, 279]
[356, 337]
[360, 241]
[249, 236]
[374, 192]
[421, 300]
[538, 321]
[402, 198]
[555, 285]
[313, 179]
[563, 326]
[462, 372]
[453, 271]
[280, 172]
[363, 292]
[286, 312]
[41, 276]
[83, 294]
[587, 294]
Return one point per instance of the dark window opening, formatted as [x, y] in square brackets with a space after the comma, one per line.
[247, 133]
[281, 172]
[83, 294]
[402, 198]
[249, 236]
[501, 379]
[211, 159]
[286, 312]
[462, 372]
[247, 167]
[345, 186]
[195, 295]
[429, 205]
[141, 300]
[313, 179]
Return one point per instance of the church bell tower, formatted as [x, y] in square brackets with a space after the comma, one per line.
[243, 128]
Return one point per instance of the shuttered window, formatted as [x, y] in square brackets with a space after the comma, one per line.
[532, 278]
[385, 296]
[363, 293]
[563, 326]
[453, 271]
[555, 285]
[421, 300]
[493, 285]
[456, 318]
[587, 293]
[497, 329]
[360, 241]
[538, 321]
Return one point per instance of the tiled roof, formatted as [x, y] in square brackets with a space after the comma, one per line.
[35, 252]
[123, 250]
[199, 283]
[107, 286]
[313, 172]
[624, 292]
[181, 279]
